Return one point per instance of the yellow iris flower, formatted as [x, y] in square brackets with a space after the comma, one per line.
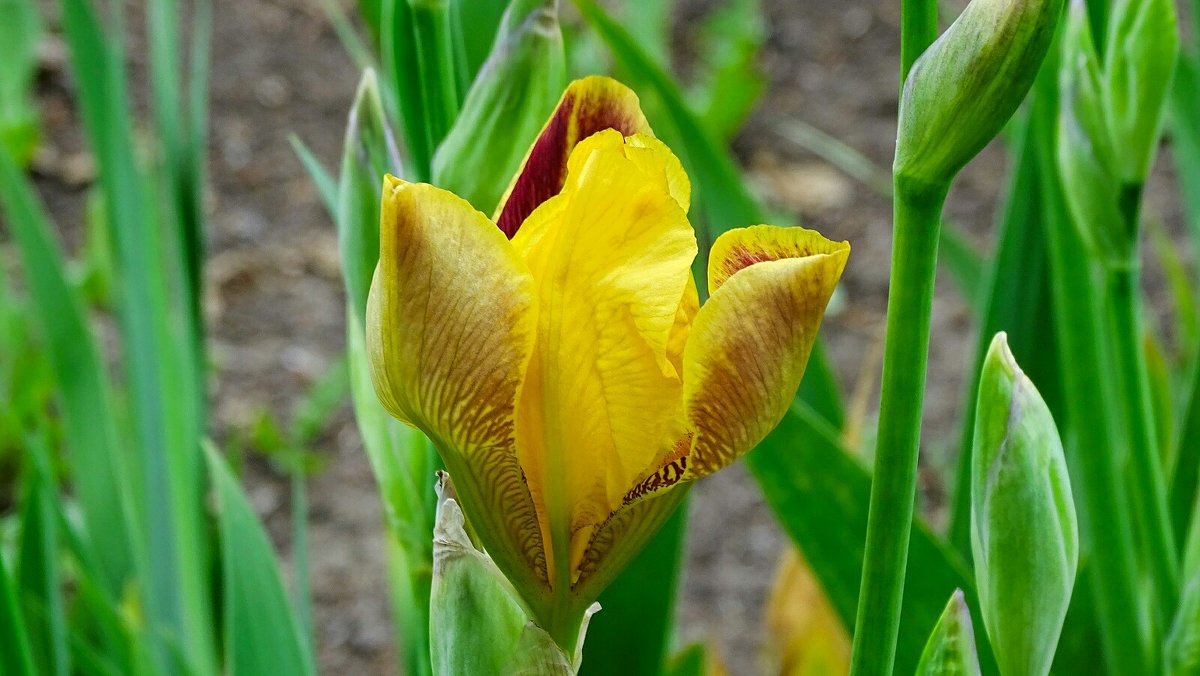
[557, 355]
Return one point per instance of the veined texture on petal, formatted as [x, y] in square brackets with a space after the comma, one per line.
[611, 259]
[588, 105]
[751, 341]
[451, 323]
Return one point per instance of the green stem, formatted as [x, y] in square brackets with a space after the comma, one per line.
[1106, 523]
[435, 56]
[1133, 403]
[918, 30]
[917, 211]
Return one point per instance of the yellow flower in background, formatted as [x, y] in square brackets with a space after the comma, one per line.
[557, 355]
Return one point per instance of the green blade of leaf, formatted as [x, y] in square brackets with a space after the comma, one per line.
[730, 82]
[820, 495]
[98, 473]
[633, 632]
[1187, 465]
[1020, 309]
[16, 657]
[39, 575]
[163, 379]
[321, 178]
[261, 632]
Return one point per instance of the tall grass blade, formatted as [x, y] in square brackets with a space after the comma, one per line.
[16, 657]
[20, 32]
[162, 370]
[260, 628]
[1022, 309]
[820, 496]
[39, 573]
[97, 466]
[327, 188]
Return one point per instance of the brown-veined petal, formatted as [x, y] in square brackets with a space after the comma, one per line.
[588, 105]
[611, 256]
[751, 341]
[450, 329]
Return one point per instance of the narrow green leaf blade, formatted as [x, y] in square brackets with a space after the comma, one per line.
[820, 495]
[97, 472]
[261, 632]
[15, 655]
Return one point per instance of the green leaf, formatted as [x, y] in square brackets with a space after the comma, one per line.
[155, 311]
[1184, 107]
[15, 655]
[368, 153]
[1019, 309]
[691, 661]
[260, 628]
[632, 633]
[39, 573]
[1184, 496]
[820, 495]
[321, 178]
[730, 82]
[97, 469]
[474, 23]
[951, 647]
[20, 32]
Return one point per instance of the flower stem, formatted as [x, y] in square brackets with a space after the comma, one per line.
[1106, 523]
[918, 30]
[1133, 405]
[917, 212]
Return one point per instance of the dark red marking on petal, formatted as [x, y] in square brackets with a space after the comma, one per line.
[545, 171]
[743, 257]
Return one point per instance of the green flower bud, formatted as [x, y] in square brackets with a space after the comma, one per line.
[1024, 537]
[516, 90]
[950, 650]
[1182, 648]
[1139, 63]
[477, 622]
[966, 86]
[1085, 155]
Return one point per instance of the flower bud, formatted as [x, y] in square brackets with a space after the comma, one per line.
[950, 650]
[963, 89]
[1139, 63]
[504, 110]
[477, 623]
[1085, 154]
[1024, 536]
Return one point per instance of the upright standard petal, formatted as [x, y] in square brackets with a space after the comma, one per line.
[451, 324]
[611, 257]
[750, 342]
[589, 105]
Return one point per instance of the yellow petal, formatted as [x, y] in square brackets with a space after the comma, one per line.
[613, 544]
[611, 257]
[587, 106]
[750, 342]
[450, 329]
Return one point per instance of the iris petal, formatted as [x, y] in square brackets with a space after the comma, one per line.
[589, 105]
[611, 257]
[451, 323]
[751, 341]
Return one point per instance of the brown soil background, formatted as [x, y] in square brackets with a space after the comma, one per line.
[276, 304]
